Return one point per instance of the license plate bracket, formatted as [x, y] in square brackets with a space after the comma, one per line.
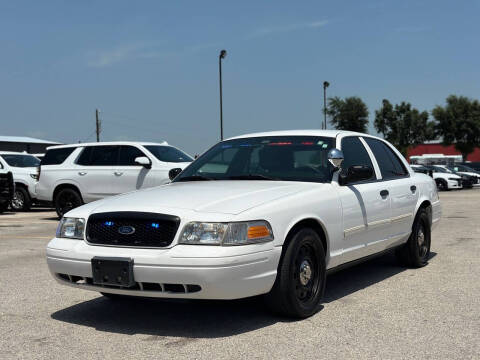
[113, 271]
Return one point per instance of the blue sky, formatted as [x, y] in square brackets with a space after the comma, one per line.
[151, 66]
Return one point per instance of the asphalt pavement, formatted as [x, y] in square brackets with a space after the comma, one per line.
[374, 310]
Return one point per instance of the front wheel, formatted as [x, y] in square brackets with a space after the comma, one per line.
[442, 185]
[416, 251]
[301, 277]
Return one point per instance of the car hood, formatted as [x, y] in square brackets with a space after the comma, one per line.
[228, 197]
[445, 175]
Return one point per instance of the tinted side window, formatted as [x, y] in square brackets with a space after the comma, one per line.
[84, 158]
[104, 155]
[354, 154]
[390, 165]
[56, 156]
[128, 154]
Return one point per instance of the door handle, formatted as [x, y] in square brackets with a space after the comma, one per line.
[413, 188]
[118, 173]
[82, 173]
[384, 193]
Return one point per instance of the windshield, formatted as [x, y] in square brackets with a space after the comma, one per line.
[289, 158]
[21, 161]
[168, 154]
[463, 168]
[440, 169]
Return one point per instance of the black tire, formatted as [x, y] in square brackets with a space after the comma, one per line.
[416, 251]
[442, 185]
[301, 277]
[3, 207]
[66, 200]
[21, 199]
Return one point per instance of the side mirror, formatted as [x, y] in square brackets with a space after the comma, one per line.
[172, 174]
[356, 173]
[335, 157]
[144, 161]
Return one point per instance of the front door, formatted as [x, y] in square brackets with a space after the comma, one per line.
[365, 206]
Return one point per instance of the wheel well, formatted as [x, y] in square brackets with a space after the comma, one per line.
[308, 223]
[428, 208]
[65, 186]
[22, 185]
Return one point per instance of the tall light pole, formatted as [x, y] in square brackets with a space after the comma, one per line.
[325, 85]
[222, 55]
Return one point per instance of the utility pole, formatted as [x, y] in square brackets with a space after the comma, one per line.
[222, 55]
[325, 85]
[98, 125]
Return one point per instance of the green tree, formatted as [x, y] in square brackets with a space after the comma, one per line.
[350, 113]
[403, 125]
[458, 123]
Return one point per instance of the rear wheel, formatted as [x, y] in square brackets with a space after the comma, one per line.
[301, 277]
[21, 199]
[416, 251]
[66, 200]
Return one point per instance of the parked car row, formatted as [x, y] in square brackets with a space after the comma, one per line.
[450, 177]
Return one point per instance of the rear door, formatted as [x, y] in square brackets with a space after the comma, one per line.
[402, 190]
[96, 171]
[366, 213]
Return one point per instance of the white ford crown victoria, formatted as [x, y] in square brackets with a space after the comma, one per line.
[267, 213]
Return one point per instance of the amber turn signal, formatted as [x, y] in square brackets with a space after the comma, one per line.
[255, 232]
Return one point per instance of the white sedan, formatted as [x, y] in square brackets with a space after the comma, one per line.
[268, 213]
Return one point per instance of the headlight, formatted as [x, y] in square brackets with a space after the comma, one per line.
[71, 228]
[235, 233]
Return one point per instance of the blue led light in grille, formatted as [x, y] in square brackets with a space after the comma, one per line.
[155, 225]
[108, 223]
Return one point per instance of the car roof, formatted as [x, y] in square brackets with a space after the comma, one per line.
[144, 143]
[313, 132]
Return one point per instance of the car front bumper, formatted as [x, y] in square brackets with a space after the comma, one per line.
[183, 271]
[453, 184]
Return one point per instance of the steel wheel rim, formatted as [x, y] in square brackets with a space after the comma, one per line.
[306, 275]
[18, 200]
[422, 242]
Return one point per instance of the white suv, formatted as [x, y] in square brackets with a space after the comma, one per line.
[267, 213]
[71, 175]
[23, 166]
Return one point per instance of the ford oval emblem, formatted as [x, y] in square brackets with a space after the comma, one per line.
[126, 230]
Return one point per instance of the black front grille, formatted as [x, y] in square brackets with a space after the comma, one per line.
[132, 229]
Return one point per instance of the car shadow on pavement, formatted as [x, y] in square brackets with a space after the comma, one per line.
[193, 319]
[358, 277]
[176, 318]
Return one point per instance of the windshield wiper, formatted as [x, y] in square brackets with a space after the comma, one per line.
[251, 177]
[195, 178]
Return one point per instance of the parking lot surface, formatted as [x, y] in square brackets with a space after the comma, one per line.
[373, 310]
